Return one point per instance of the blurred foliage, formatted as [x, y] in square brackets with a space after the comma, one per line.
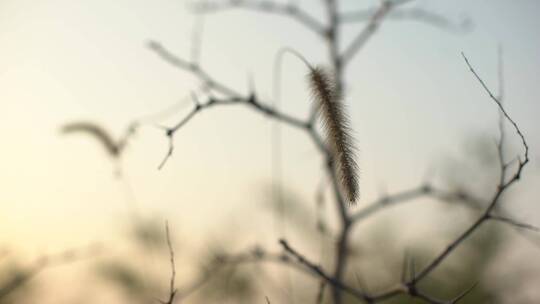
[375, 264]
[476, 169]
[131, 276]
[15, 285]
[230, 283]
[148, 234]
[127, 278]
[292, 208]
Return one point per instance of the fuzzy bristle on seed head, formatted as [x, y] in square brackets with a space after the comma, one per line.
[336, 126]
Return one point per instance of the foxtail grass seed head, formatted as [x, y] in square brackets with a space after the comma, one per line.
[337, 128]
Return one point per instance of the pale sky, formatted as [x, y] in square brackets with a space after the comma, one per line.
[411, 99]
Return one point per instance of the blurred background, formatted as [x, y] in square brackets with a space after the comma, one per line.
[417, 113]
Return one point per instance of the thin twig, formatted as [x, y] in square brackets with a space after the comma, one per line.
[172, 288]
[513, 222]
[499, 104]
[464, 294]
[318, 271]
[414, 194]
[501, 188]
[253, 103]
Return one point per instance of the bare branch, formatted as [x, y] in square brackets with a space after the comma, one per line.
[513, 222]
[318, 271]
[405, 268]
[320, 293]
[500, 144]
[412, 195]
[270, 7]
[331, 32]
[194, 68]
[463, 294]
[172, 288]
[257, 255]
[501, 188]
[43, 263]
[501, 108]
[360, 295]
[412, 14]
[368, 31]
[96, 131]
[234, 98]
[196, 39]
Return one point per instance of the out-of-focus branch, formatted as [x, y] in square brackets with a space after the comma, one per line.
[513, 222]
[463, 294]
[193, 68]
[427, 191]
[271, 7]
[320, 293]
[373, 25]
[114, 147]
[257, 255]
[413, 194]
[42, 263]
[410, 14]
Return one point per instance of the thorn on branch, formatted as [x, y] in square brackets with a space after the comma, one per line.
[463, 294]
[169, 133]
